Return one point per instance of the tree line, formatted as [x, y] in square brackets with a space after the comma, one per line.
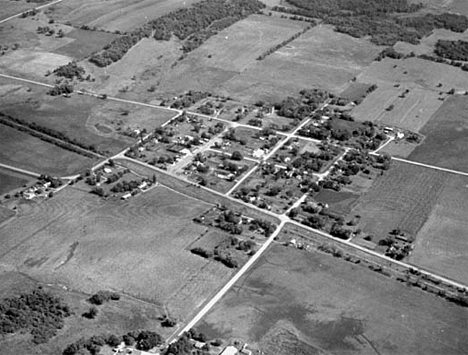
[193, 25]
[38, 312]
[377, 19]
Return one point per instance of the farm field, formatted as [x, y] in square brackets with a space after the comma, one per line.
[446, 141]
[109, 15]
[229, 53]
[10, 8]
[298, 302]
[442, 241]
[402, 198]
[118, 318]
[410, 112]
[304, 63]
[10, 180]
[22, 150]
[127, 246]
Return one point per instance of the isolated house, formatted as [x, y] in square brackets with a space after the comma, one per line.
[229, 350]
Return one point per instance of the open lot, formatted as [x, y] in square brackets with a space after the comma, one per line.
[442, 242]
[127, 246]
[402, 198]
[445, 144]
[297, 302]
[320, 58]
[22, 150]
[114, 14]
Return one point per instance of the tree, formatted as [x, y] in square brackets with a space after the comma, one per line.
[91, 313]
[236, 155]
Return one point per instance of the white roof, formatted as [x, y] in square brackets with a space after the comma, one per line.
[229, 350]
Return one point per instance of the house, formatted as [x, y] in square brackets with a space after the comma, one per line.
[185, 151]
[143, 185]
[258, 153]
[400, 135]
[229, 350]
[28, 195]
[126, 196]
[107, 170]
[47, 185]
[388, 129]
[199, 344]
[141, 149]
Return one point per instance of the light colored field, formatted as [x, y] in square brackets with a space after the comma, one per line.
[460, 6]
[229, 53]
[411, 112]
[415, 72]
[114, 15]
[442, 243]
[297, 302]
[136, 247]
[400, 149]
[446, 141]
[402, 198]
[320, 58]
[33, 63]
[24, 151]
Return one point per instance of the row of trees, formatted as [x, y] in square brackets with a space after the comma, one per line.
[192, 25]
[48, 135]
[455, 50]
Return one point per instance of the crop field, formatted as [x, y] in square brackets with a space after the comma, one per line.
[441, 244]
[22, 150]
[128, 246]
[446, 139]
[297, 302]
[459, 6]
[410, 112]
[402, 198]
[10, 180]
[84, 43]
[320, 58]
[400, 149]
[10, 8]
[115, 14]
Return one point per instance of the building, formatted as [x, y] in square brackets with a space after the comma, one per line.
[126, 196]
[229, 350]
[107, 170]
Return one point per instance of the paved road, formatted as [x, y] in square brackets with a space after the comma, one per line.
[37, 8]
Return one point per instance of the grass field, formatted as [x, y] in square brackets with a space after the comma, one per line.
[108, 15]
[415, 72]
[446, 140]
[229, 53]
[67, 115]
[10, 8]
[402, 198]
[297, 302]
[83, 242]
[10, 180]
[24, 151]
[84, 43]
[442, 242]
[114, 318]
[320, 58]
[411, 112]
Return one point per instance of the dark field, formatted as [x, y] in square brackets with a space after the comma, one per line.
[10, 181]
[446, 142]
[297, 302]
[85, 43]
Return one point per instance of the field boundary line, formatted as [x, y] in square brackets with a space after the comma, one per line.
[451, 171]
